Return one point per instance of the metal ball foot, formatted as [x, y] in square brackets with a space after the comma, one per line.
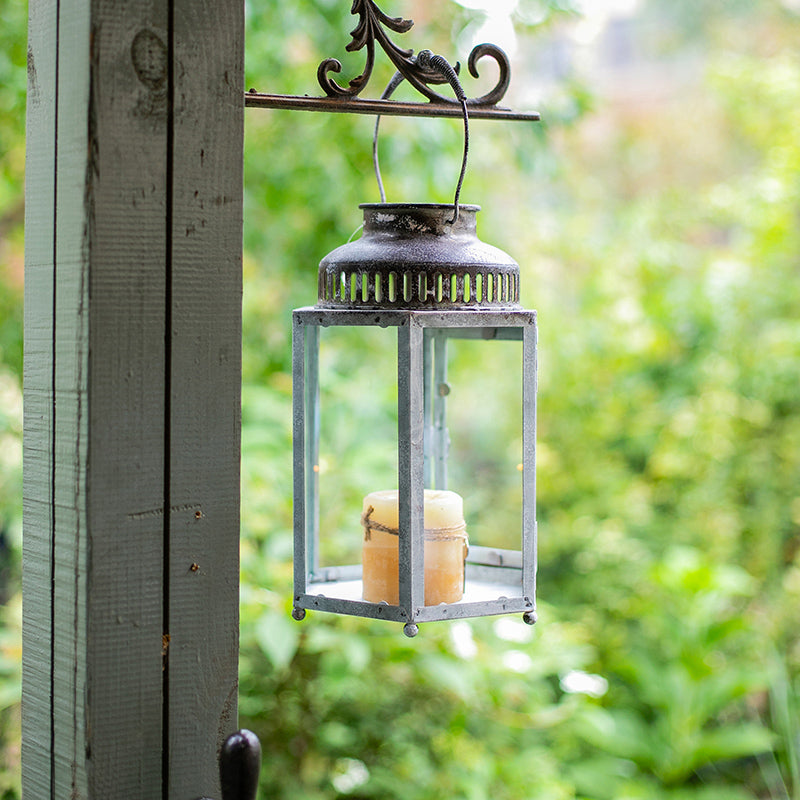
[529, 617]
[411, 629]
[298, 614]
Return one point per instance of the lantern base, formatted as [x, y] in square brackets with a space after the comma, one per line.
[493, 584]
[474, 591]
[480, 600]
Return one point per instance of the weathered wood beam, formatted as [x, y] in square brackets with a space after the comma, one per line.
[132, 382]
[205, 384]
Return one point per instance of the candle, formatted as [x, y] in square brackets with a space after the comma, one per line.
[445, 547]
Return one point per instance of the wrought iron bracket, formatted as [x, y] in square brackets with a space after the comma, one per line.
[371, 29]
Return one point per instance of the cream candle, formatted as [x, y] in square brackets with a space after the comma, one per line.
[445, 547]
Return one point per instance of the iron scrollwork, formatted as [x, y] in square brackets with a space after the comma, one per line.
[372, 27]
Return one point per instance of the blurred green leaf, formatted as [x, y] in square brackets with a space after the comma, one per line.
[277, 637]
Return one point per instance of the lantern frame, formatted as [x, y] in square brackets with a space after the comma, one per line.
[422, 454]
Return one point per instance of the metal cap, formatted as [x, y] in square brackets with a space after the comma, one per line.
[412, 255]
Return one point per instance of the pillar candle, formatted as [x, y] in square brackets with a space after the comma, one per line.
[445, 547]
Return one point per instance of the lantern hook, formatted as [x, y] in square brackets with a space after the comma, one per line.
[428, 61]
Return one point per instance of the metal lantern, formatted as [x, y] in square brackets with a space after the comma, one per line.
[419, 269]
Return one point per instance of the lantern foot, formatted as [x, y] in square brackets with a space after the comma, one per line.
[411, 629]
[298, 613]
[529, 617]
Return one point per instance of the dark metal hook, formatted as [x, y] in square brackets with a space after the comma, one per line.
[428, 61]
[239, 765]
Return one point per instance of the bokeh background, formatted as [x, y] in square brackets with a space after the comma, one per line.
[655, 213]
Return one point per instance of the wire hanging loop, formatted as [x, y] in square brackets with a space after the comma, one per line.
[428, 61]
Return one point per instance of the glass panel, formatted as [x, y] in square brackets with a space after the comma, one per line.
[484, 428]
[358, 433]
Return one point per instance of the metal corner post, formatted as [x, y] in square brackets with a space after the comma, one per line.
[411, 434]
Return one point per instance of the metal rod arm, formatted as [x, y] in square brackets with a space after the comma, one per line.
[388, 108]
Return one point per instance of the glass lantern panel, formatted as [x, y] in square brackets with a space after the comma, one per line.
[484, 421]
[475, 448]
[358, 433]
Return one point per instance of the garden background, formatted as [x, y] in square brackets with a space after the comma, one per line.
[655, 213]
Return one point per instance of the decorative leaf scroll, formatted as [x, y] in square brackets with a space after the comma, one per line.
[371, 27]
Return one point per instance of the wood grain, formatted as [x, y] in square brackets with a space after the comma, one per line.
[126, 207]
[205, 389]
[40, 176]
[132, 380]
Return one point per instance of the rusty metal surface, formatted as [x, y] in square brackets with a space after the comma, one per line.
[412, 255]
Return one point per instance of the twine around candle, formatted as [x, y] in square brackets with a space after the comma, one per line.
[431, 534]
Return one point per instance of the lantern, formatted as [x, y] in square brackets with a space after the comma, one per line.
[421, 271]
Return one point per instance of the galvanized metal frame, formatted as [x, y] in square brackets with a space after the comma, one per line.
[422, 454]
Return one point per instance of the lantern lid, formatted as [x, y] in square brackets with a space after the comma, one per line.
[416, 255]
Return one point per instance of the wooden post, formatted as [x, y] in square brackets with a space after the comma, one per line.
[132, 389]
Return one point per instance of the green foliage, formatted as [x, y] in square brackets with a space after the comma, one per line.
[662, 266]
[13, 17]
[406, 719]
[673, 673]
[658, 241]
